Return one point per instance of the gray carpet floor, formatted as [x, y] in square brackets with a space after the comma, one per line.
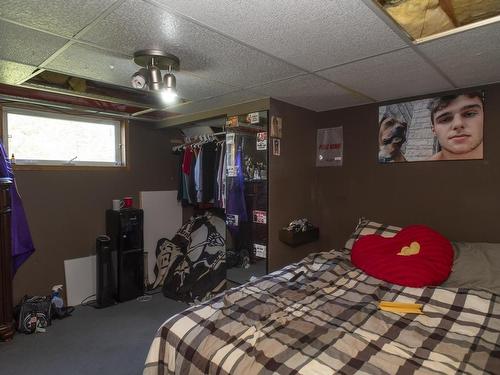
[113, 340]
[242, 275]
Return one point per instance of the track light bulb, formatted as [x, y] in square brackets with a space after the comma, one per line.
[169, 81]
[155, 82]
[169, 93]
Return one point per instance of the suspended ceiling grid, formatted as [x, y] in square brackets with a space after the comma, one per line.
[318, 54]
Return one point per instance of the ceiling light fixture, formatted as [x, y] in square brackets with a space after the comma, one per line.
[169, 93]
[149, 77]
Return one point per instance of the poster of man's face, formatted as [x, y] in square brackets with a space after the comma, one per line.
[441, 128]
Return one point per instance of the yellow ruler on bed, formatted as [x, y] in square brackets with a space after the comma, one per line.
[400, 307]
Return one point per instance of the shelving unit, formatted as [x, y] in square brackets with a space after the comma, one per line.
[251, 142]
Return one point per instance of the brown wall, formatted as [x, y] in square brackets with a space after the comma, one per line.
[66, 209]
[457, 198]
[292, 187]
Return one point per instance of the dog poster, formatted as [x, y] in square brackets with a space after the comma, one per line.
[446, 127]
[330, 146]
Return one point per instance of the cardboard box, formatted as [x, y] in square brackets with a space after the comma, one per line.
[250, 121]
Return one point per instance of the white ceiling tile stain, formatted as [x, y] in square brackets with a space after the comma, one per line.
[394, 75]
[311, 92]
[63, 17]
[468, 58]
[312, 34]
[11, 73]
[26, 46]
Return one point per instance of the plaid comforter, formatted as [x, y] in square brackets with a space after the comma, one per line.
[320, 316]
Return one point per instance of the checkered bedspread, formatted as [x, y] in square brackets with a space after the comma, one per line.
[320, 316]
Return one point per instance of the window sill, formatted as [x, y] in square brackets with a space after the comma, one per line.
[66, 168]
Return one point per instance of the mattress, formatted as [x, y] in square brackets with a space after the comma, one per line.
[321, 316]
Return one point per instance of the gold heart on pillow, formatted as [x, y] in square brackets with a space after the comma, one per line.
[416, 256]
[413, 249]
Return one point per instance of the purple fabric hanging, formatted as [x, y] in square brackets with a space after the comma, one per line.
[22, 244]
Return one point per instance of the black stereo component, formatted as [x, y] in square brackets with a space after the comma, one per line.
[125, 229]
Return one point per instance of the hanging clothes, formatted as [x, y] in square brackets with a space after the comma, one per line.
[216, 176]
[182, 189]
[191, 181]
[186, 173]
[202, 175]
[21, 241]
[208, 172]
[180, 182]
[198, 180]
[236, 206]
[186, 160]
[221, 186]
[223, 179]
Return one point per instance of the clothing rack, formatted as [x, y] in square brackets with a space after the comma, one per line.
[198, 140]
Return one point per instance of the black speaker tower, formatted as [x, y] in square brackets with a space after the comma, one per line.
[105, 283]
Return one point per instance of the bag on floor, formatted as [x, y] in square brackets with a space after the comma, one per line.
[33, 313]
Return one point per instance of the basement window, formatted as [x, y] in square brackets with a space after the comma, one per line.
[34, 138]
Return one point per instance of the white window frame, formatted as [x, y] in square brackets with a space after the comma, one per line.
[119, 137]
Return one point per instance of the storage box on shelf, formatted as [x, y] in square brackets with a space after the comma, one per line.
[294, 238]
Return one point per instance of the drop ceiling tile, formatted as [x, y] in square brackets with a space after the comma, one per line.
[196, 88]
[311, 92]
[226, 100]
[12, 73]
[62, 17]
[469, 58]
[26, 46]
[94, 63]
[139, 25]
[394, 75]
[312, 34]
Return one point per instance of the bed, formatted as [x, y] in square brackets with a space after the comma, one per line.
[321, 316]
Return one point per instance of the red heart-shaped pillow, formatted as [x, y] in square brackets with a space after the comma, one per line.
[416, 256]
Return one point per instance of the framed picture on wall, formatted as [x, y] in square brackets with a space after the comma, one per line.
[276, 127]
[446, 127]
[276, 147]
